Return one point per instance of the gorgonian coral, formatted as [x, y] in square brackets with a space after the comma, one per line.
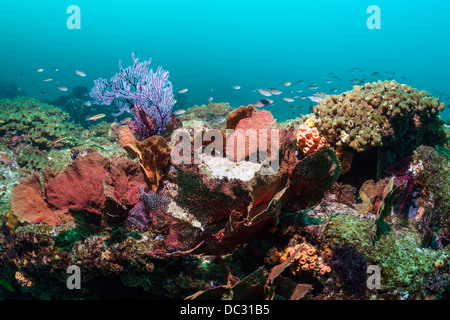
[140, 91]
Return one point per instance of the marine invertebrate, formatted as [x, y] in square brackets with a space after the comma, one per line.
[153, 154]
[96, 185]
[146, 212]
[394, 117]
[28, 204]
[303, 257]
[309, 139]
[343, 193]
[39, 124]
[384, 210]
[207, 112]
[260, 122]
[234, 209]
[372, 194]
[140, 91]
[432, 169]
[350, 267]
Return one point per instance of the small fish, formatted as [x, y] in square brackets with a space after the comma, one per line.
[96, 117]
[59, 140]
[87, 104]
[40, 70]
[80, 73]
[48, 80]
[275, 91]
[236, 87]
[286, 83]
[62, 88]
[179, 112]
[43, 90]
[38, 220]
[318, 96]
[264, 92]
[299, 91]
[293, 107]
[303, 97]
[183, 90]
[315, 99]
[15, 138]
[219, 120]
[313, 87]
[263, 103]
[56, 69]
[299, 82]
[287, 99]
[125, 121]
[329, 81]
[5, 159]
[356, 81]
[210, 99]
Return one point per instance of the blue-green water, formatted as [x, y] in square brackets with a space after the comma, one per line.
[208, 46]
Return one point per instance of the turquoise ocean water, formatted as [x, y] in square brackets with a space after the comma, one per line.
[208, 46]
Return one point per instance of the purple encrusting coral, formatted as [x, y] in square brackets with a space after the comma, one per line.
[145, 212]
[138, 90]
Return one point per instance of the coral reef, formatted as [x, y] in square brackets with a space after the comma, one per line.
[211, 114]
[351, 268]
[9, 175]
[232, 210]
[342, 193]
[392, 117]
[432, 170]
[37, 123]
[216, 226]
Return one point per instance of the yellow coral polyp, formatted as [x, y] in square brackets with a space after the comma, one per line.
[311, 122]
[439, 263]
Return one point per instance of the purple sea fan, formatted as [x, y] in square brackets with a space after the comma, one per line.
[138, 90]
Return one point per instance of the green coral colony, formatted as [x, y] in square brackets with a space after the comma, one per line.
[160, 230]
